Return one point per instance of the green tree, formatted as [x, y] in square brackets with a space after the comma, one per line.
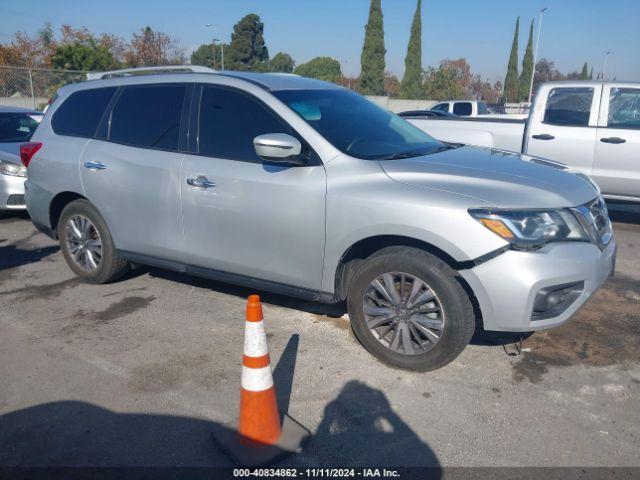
[411, 85]
[450, 81]
[85, 55]
[373, 52]
[203, 55]
[247, 50]
[282, 62]
[591, 74]
[322, 68]
[584, 74]
[527, 68]
[511, 80]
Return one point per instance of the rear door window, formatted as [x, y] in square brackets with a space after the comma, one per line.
[570, 106]
[624, 108]
[80, 114]
[462, 109]
[148, 116]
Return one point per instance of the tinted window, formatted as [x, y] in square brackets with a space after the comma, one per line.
[356, 126]
[569, 106]
[441, 107]
[80, 114]
[482, 108]
[18, 127]
[462, 109]
[230, 120]
[148, 116]
[624, 108]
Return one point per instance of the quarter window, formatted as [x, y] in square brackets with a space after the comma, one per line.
[624, 108]
[79, 115]
[230, 120]
[148, 116]
[569, 106]
[462, 109]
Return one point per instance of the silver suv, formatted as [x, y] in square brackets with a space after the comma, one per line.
[300, 187]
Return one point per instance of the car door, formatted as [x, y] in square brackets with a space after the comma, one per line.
[564, 130]
[132, 173]
[463, 109]
[243, 217]
[616, 166]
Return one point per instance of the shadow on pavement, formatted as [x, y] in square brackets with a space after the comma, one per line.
[17, 254]
[359, 428]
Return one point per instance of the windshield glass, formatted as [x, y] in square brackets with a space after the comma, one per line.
[358, 127]
[18, 127]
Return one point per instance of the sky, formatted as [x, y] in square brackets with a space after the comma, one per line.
[573, 31]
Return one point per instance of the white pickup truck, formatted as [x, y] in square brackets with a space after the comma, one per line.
[592, 127]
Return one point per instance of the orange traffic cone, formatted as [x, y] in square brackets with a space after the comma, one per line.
[260, 438]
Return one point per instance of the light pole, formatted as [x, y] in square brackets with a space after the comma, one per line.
[535, 53]
[604, 67]
[213, 45]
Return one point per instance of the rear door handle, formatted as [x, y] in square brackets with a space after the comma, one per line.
[613, 140]
[94, 165]
[201, 182]
[543, 136]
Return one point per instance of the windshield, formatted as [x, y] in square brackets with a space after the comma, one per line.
[358, 127]
[18, 127]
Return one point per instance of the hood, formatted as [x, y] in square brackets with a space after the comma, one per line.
[494, 178]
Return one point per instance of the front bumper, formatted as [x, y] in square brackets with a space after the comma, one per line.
[12, 193]
[506, 286]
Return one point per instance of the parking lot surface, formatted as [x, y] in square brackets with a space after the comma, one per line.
[136, 373]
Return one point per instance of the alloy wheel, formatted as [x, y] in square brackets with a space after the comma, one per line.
[403, 313]
[83, 242]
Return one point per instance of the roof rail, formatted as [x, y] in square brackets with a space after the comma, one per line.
[126, 72]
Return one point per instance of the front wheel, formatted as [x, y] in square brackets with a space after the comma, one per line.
[87, 245]
[408, 309]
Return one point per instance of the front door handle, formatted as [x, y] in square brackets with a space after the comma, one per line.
[201, 182]
[94, 165]
[543, 136]
[613, 140]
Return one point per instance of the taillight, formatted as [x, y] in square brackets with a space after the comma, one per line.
[28, 150]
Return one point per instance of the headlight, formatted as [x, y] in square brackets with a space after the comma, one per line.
[12, 169]
[532, 228]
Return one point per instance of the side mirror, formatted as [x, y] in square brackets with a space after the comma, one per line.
[279, 148]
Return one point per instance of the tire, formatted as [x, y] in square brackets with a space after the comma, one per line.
[108, 265]
[448, 315]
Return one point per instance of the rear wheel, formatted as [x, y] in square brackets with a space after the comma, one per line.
[87, 245]
[408, 309]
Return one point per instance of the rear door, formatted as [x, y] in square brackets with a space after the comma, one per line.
[132, 173]
[242, 216]
[617, 156]
[463, 109]
[565, 129]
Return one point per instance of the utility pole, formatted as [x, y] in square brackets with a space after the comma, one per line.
[213, 46]
[535, 53]
[604, 67]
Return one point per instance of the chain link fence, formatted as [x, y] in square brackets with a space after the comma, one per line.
[33, 87]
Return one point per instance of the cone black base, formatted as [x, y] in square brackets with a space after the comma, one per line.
[294, 436]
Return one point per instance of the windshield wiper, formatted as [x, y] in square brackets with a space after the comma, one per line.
[410, 154]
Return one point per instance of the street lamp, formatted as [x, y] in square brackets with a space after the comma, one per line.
[213, 45]
[535, 53]
[604, 67]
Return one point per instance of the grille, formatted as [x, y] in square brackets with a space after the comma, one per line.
[15, 200]
[594, 217]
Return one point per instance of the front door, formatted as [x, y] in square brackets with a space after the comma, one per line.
[564, 131]
[243, 216]
[616, 167]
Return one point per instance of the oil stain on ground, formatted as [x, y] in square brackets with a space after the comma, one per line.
[49, 290]
[606, 331]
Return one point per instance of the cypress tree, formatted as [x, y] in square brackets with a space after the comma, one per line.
[511, 80]
[584, 74]
[591, 74]
[373, 51]
[527, 68]
[411, 86]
